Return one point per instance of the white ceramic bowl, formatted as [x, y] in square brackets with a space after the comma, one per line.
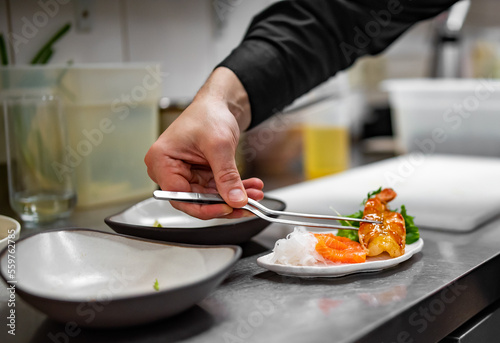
[8, 226]
[66, 273]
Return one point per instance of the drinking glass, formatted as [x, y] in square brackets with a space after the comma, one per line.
[41, 182]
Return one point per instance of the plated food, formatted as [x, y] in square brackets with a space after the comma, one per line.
[372, 264]
[387, 241]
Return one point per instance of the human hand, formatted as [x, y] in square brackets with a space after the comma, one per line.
[196, 152]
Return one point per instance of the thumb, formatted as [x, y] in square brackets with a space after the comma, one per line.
[227, 178]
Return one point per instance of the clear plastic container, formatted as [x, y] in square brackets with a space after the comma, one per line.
[456, 116]
[113, 118]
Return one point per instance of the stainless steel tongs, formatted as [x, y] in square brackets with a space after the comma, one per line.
[259, 210]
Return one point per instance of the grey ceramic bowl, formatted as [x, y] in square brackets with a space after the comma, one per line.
[180, 227]
[99, 279]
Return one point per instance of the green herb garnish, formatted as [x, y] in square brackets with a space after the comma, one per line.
[351, 234]
[156, 285]
[157, 224]
[412, 233]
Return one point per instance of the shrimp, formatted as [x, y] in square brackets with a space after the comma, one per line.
[390, 235]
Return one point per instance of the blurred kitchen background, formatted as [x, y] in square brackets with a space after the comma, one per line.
[189, 37]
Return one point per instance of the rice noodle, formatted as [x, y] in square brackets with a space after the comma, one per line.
[297, 249]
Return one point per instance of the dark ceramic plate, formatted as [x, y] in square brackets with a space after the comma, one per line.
[178, 226]
[100, 279]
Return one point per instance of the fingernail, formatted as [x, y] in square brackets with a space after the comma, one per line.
[236, 195]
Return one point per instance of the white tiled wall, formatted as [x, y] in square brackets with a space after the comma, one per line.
[36, 24]
[177, 33]
[188, 37]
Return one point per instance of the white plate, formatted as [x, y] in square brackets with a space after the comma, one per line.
[372, 264]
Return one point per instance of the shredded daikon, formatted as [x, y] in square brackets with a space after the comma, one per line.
[297, 249]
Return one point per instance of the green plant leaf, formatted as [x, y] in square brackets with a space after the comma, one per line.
[3, 51]
[351, 234]
[47, 54]
[412, 233]
[48, 46]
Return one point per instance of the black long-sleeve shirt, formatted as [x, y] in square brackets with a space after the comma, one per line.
[295, 45]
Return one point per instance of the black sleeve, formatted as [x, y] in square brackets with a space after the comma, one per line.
[295, 45]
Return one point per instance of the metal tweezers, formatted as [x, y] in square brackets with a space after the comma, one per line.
[259, 210]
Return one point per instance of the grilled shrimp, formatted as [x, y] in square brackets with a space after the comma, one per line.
[390, 235]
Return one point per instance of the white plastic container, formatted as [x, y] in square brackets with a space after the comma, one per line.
[113, 119]
[457, 116]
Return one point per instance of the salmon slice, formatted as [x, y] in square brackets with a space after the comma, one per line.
[339, 249]
[332, 243]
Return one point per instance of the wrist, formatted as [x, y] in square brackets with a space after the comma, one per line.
[223, 85]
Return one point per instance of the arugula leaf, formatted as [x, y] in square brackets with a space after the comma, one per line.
[357, 215]
[351, 234]
[412, 233]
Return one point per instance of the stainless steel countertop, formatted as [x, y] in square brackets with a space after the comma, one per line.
[421, 300]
